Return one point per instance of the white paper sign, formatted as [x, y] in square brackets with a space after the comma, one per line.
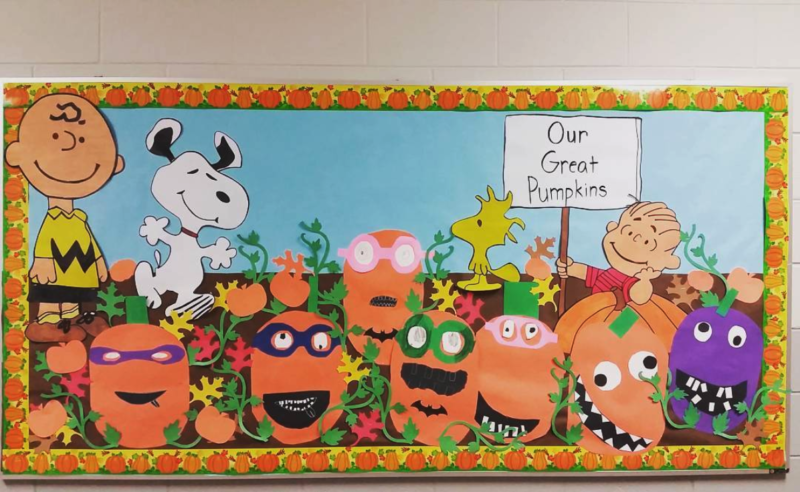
[587, 162]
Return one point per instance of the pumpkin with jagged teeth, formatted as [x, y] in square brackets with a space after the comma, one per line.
[614, 364]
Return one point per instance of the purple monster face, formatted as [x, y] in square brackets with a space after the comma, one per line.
[716, 360]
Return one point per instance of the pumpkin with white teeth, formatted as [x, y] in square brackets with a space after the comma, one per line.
[612, 362]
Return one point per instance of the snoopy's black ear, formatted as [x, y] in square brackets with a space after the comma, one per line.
[229, 154]
[160, 139]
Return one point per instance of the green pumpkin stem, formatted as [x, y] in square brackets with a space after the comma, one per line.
[727, 301]
[136, 310]
[624, 322]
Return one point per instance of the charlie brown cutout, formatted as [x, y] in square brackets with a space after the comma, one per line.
[637, 249]
[66, 150]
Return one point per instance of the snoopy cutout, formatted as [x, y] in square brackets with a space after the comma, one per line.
[199, 195]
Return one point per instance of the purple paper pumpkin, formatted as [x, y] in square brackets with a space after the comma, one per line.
[716, 360]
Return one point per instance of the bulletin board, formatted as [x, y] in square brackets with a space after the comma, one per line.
[316, 280]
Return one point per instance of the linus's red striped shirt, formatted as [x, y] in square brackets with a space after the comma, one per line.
[605, 280]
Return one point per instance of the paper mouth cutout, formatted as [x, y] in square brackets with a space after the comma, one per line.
[603, 428]
[441, 382]
[510, 427]
[140, 398]
[296, 410]
[710, 398]
[383, 301]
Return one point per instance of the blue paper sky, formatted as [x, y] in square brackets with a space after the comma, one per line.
[361, 171]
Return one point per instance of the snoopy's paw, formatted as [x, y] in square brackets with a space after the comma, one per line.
[221, 254]
[153, 229]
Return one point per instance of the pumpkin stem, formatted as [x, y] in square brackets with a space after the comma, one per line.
[624, 322]
[136, 310]
[726, 302]
[620, 297]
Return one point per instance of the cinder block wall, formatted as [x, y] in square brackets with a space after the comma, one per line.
[422, 41]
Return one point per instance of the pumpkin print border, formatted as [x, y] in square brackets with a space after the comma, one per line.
[771, 101]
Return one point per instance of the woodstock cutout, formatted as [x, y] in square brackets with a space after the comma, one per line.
[199, 195]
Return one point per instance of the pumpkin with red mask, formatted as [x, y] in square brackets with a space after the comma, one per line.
[294, 373]
[434, 375]
[379, 273]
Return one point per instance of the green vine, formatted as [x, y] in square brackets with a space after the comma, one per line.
[690, 418]
[448, 445]
[255, 273]
[224, 334]
[235, 399]
[81, 419]
[439, 273]
[318, 260]
[574, 433]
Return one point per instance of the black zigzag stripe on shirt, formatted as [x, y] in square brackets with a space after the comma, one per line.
[85, 260]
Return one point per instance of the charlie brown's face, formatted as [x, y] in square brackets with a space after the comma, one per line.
[65, 147]
[645, 237]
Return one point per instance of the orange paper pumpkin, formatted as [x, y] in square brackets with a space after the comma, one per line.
[140, 383]
[295, 373]
[516, 355]
[434, 375]
[376, 298]
[611, 361]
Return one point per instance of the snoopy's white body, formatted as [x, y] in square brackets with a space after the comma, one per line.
[200, 196]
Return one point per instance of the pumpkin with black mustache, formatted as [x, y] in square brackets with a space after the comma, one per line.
[434, 375]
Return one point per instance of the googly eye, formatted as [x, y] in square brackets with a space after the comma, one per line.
[452, 343]
[417, 336]
[737, 336]
[111, 356]
[508, 329]
[702, 331]
[643, 364]
[160, 356]
[282, 340]
[531, 330]
[404, 255]
[363, 253]
[607, 376]
[321, 341]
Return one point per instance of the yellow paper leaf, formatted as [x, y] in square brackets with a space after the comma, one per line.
[177, 323]
[210, 391]
[221, 299]
[546, 290]
[349, 367]
[444, 293]
[66, 434]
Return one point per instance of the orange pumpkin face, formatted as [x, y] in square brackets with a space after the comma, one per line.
[140, 383]
[434, 375]
[618, 415]
[294, 373]
[379, 273]
[518, 351]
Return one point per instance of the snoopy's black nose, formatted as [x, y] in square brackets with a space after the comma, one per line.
[224, 198]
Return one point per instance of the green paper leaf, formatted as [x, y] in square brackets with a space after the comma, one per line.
[740, 407]
[72, 423]
[709, 299]
[191, 415]
[574, 434]
[759, 414]
[410, 431]
[720, 423]
[398, 408]
[351, 419]
[265, 429]
[356, 330]
[112, 436]
[447, 444]
[332, 437]
[678, 394]
[413, 303]
[93, 416]
[277, 306]
[172, 432]
[473, 447]
[420, 278]
[110, 301]
[371, 351]
[691, 416]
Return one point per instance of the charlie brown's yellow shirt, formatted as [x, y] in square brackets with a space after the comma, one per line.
[66, 238]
